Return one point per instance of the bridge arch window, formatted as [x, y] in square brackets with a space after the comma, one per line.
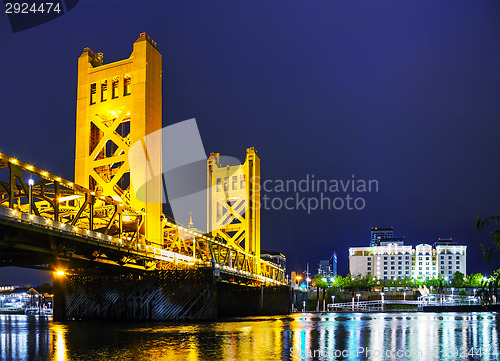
[104, 90]
[93, 91]
[127, 82]
[115, 85]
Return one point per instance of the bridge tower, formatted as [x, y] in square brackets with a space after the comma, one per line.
[118, 104]
[233, 207]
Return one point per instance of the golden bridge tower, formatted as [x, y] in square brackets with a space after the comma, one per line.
[118, 104]
[233, 209]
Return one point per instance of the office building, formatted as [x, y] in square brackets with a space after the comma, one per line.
[378, 234]
[393, 261]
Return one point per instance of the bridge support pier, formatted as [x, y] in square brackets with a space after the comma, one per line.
[163, 295]
[59, 298]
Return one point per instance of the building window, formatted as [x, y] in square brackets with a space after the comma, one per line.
[385, 262]
[450, 262]
[218, 184]
[235, 182]
[127, 82]
[369, 268]
[114, 86]
[369, 258]
[104, 90]
[369, 263]
[242, 181]
[458, 267]
[226, 184]
[458, 257]
[385, 268]
[385, 257]
[93, 91]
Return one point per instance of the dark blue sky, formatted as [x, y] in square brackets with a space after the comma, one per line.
[407, 93]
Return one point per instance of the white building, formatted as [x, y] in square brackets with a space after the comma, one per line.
[393, 261]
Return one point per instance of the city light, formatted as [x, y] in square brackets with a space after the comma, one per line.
[59, 273]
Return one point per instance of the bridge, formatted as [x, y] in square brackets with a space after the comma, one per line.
[115, 254]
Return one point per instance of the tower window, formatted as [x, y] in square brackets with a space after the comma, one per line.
[93, 90]
[242, 181]
[114, 91]
[218, 184]
[127, 81]
[104, 91]
[235, 182]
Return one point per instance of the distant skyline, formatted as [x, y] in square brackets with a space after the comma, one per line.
[405, 93]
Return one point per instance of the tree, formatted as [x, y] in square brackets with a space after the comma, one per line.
[488, 290]
[319, 282]
[458, 280]
[495, 234]
[473, 280]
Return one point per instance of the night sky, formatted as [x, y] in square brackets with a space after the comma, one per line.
[407, 93]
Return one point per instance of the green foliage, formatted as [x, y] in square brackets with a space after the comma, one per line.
[458, 280]
[318, 282]
[489, 289]
[474, 280]
[495, 234]
[462, 293]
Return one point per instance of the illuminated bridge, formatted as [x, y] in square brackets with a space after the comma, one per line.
[117, 256]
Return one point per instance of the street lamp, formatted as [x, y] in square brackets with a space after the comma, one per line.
[452, 289]
[404, 296]
[382, 294]
[333, 299]
[357, 295]
[298, 278]
[474, 292]
[30, 201]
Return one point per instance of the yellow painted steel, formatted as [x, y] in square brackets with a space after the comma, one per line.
[118, 104]
[233, 207]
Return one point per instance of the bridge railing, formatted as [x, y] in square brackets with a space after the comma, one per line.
[155, 252]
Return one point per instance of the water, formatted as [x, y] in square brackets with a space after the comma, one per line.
[418, 336]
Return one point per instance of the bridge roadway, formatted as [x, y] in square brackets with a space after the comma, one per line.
[38, 242]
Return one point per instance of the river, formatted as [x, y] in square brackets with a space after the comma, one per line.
[301, 336]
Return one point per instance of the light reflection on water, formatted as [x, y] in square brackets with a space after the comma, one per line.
[294, 337]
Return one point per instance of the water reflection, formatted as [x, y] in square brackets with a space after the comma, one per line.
[353, 336]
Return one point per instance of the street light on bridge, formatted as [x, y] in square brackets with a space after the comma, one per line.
[30, 200]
